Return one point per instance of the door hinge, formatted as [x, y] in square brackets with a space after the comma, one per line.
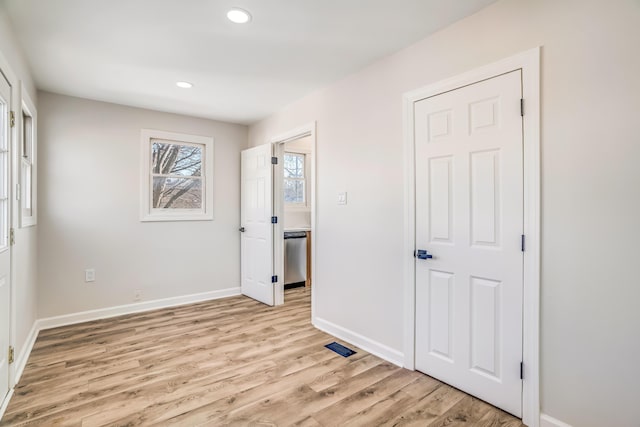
[521, 370]
[11, 354]
[274, 220]
[12, 118]
[522, 243]
[522, 107]
[274, 279]
[274, 160]
[12, 237]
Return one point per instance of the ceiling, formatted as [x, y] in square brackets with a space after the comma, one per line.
[132, 52]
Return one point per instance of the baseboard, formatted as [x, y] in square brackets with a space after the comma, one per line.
[23, 357]
[548, 421]
[367, 344]
[105, 313]
[5, 403]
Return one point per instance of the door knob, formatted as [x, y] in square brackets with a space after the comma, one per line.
[241, 229]
[422, 254]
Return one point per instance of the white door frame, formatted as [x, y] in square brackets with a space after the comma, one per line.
[278, 205]
[16, 106]
[529, 63]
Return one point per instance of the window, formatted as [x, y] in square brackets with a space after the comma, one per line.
[27, 179]
[294, 179]
[176, 177]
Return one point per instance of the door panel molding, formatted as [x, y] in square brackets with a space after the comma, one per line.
[256, 223]
[529, 63]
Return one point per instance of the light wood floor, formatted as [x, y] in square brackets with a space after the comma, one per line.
[226, 362]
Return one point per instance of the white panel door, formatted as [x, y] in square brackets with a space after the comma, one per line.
[256, 242]
[469, 218]
[5, 257]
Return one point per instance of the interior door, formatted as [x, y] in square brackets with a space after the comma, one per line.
[469, 225]
[256, 242]
[5, 257]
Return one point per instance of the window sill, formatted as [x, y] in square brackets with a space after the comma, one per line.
[181, 217]
[296, 207]
[28, 222]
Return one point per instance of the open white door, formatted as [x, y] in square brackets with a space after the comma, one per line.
[256, 209]
[5, 257]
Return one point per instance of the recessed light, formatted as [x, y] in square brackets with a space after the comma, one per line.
[239, 16]
[184, 85]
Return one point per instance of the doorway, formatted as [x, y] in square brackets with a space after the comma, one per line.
[294, 202]
[297, 195]
[273, 203]
[472, 232]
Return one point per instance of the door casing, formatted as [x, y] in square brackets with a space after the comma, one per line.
[529, 63]
[16, 106]
[308, 130]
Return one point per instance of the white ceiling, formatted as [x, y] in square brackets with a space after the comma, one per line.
[133, 51]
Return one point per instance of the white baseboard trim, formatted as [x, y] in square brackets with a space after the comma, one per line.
[104, 313]
[5, 403]
[21, 361]
[367, 344]
[548, 421]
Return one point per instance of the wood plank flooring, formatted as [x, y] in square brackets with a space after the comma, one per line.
[233, 362]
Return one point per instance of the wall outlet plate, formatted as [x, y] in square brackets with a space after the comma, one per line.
[137, 295]
[90, 275]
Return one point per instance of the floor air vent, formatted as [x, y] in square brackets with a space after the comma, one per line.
[340, 349]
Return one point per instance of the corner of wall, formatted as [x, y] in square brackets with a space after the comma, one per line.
[23, 356]
[367, 344]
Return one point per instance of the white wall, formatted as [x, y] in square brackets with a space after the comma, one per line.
[590, 153]
[89, 210]
[24, 261]
[10, 48]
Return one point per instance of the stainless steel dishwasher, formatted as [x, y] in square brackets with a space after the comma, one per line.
[295, 257]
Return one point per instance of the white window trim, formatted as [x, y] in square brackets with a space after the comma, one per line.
[29, 107]
[299, 206]
[147, 214]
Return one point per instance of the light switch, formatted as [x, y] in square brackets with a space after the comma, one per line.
[342, 198]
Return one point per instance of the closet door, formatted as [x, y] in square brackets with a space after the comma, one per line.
[469, 222]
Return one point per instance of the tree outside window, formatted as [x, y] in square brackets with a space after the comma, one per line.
[176, 177]
[294, 178]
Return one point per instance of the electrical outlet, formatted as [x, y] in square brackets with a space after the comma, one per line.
[342, 198]
[137, 295]
[90, 275]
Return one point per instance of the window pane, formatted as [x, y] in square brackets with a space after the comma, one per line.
[27, 136]
[176, 159]
[293, 191]
[177, 193]
[293, 165]
[26, 180]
